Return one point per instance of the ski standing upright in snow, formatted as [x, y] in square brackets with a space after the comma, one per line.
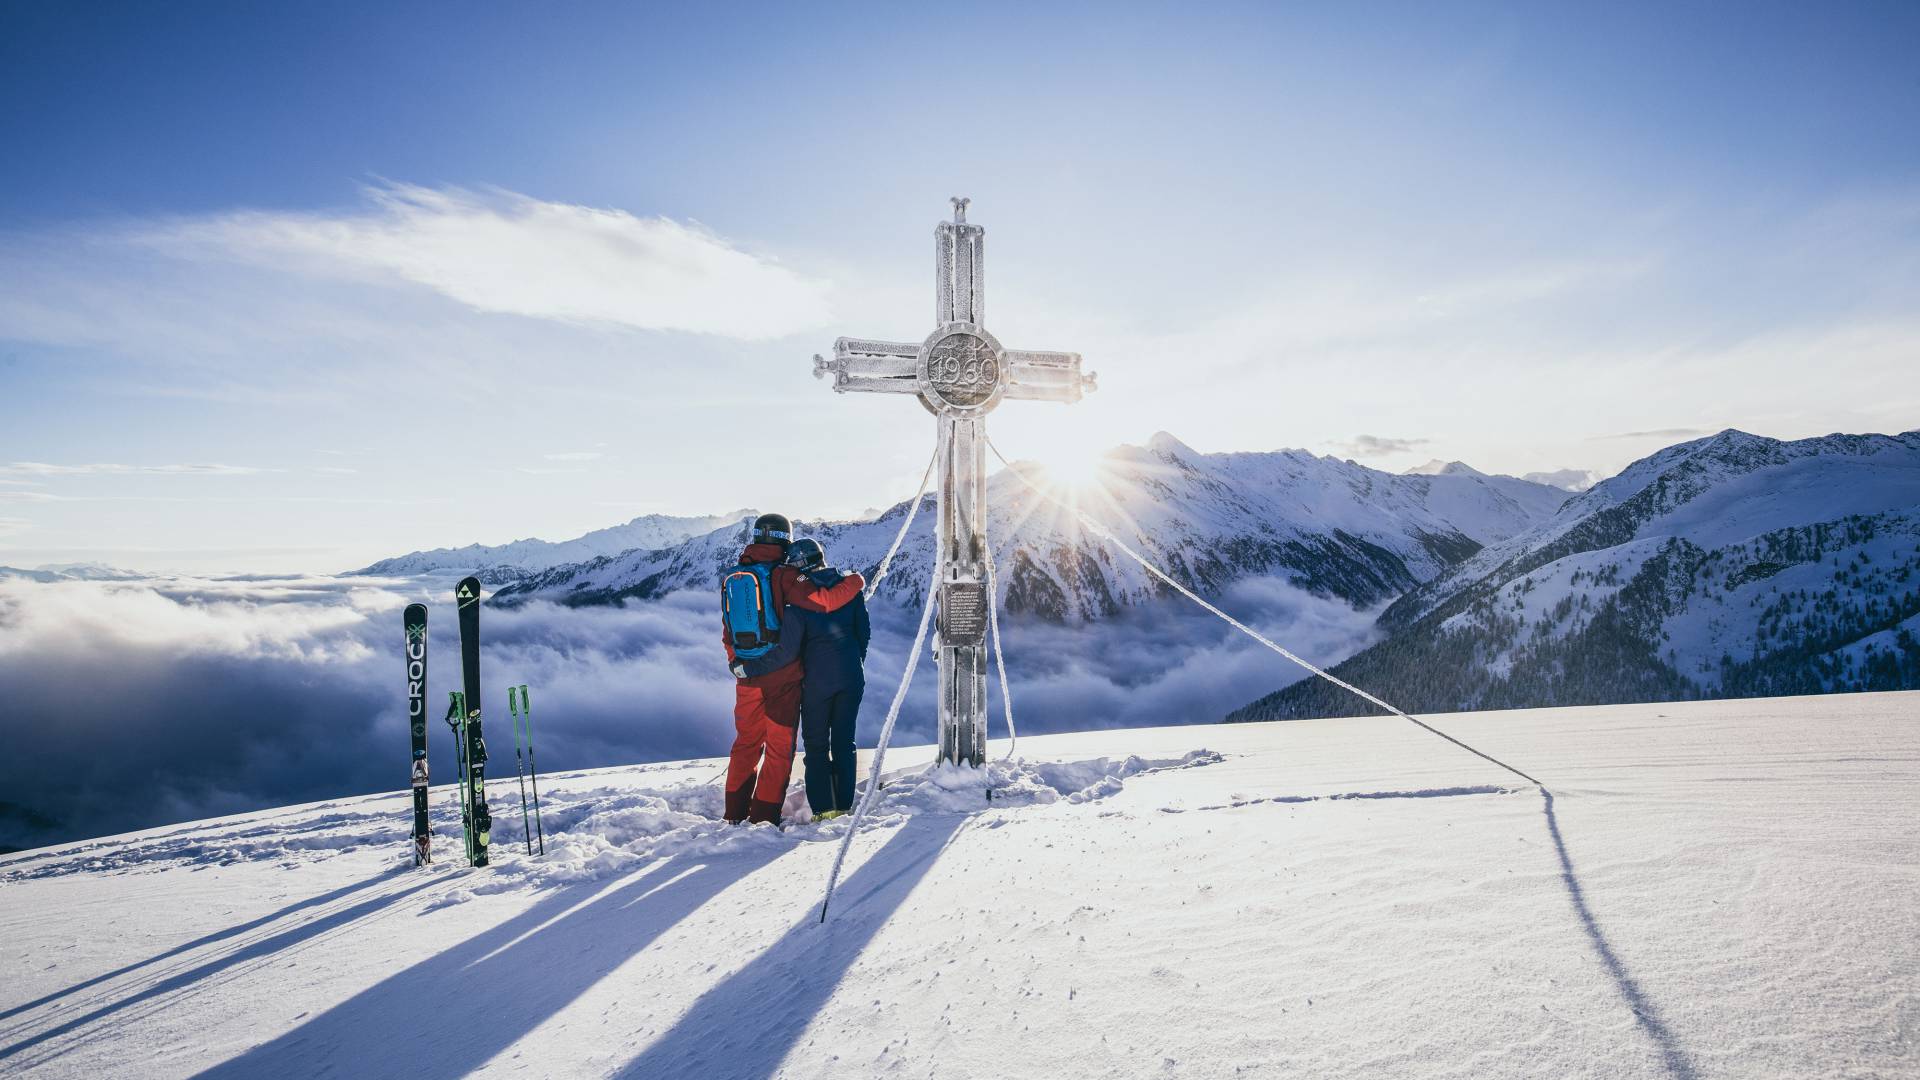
[414, 621]
[473, 745]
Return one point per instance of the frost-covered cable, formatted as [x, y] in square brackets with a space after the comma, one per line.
[925, 477]
[999, 657]
[1106, 534]
[880, 750]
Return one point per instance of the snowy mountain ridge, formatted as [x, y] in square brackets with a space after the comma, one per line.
[1730, 565]
[499, 563]
[1332, 527]
[1728, 486]
[1565, 480]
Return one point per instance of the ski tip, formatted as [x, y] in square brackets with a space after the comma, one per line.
[467, 592]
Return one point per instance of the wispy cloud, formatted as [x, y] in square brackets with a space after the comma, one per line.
[335, 470]
[1379, 445]
[575, 455]
[13, 526]
[1659, 433]
[41, 468]
[500, 251]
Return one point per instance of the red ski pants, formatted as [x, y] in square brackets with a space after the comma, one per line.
[764, 720]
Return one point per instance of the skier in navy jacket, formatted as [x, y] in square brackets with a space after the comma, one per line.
[834, 655]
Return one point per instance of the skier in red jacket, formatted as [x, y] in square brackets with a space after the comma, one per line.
[766, 702]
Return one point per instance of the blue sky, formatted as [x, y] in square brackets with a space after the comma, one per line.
[294, 287]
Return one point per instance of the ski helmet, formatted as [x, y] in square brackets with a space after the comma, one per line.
[773, 529]
[806, 554]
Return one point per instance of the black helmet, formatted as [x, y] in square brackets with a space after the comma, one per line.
[773, 529]
[806, 554]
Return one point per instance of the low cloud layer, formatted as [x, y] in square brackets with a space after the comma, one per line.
[133, 704]
[500, 251]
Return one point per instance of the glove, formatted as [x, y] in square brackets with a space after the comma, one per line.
[739, 669]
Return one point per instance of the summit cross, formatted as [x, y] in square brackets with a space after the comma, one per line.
[960, 373]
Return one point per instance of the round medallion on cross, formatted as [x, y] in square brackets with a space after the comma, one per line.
[961, 368]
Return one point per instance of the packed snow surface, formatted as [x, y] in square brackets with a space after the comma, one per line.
[1715, 889]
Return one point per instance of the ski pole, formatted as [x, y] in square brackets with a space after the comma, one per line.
[456, 722]
[526, 709]
[526, 830]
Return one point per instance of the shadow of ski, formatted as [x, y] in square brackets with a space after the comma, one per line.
[260, 949]
[499, 984]
[209, 939]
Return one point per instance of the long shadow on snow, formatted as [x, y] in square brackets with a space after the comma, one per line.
[1644, 1011]
[218, 935]
[508, 979]
[745, 1026]
[264, 947]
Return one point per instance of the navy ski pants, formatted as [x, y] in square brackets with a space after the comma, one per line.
[826, 730]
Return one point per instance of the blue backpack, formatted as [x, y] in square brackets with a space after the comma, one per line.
[747, 610]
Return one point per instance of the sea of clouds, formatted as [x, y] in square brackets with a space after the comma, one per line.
[140, 702]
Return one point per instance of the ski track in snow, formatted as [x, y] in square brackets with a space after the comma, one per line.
[1427, 793]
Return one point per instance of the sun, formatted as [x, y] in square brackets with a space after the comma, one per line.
[1075, 470]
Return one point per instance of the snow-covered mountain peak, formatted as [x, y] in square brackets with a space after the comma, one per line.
[1661, 483]
[1436, 467]
[1166, 444]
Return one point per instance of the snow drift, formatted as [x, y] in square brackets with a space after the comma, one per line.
[1718, 889]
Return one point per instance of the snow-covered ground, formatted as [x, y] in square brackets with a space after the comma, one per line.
[1719, 889]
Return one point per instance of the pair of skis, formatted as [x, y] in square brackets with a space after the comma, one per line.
[463, 716]
[469, 745]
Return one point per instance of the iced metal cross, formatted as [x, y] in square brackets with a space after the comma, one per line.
[960, 373]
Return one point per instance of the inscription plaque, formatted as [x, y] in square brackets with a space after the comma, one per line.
[963, 613]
